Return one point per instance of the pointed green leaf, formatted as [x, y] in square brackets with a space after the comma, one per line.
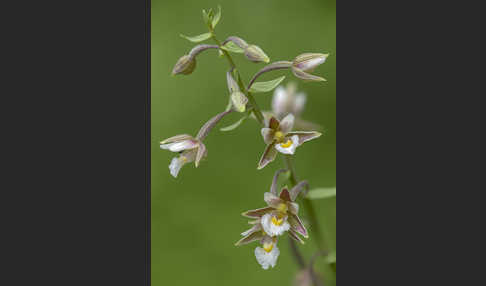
[321, 193]
[234, 125]
[232, 48]
[205, 16]
[199, 38]
[216, 17]
[266, 86]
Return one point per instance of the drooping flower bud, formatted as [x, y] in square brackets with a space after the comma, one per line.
[185, 65]
[308, 62]
[256, 54]
[238, 99]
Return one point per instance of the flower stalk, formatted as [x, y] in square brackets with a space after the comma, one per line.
[255, 109]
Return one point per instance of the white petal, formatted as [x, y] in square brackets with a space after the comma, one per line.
[313, 63]
[267, 259]
[175, 166]
[287, 123]
[280, 101]
[299, 103]
[272, 229]
[179, 146]
[290, 149]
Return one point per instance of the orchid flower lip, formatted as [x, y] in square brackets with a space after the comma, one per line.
[273, 225]
[289, 146]
[267, 259]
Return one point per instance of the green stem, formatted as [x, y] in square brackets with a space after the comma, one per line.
[256, 110]
[308, 206]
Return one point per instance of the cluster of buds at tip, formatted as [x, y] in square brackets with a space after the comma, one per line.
[189, 148]
[252, 52]
[238, 99]
[279, 138]
[307, 63]
[279, 217]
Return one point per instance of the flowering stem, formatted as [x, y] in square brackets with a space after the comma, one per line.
[307, 205]
[271, 67]
[256, 110]
[296, 253]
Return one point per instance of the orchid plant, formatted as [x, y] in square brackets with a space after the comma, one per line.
[281, 215]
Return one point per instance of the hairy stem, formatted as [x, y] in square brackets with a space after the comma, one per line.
[256, 110]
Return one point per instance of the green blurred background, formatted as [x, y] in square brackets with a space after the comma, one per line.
[196, 217]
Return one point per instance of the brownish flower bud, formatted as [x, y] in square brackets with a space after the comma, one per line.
[185, 65]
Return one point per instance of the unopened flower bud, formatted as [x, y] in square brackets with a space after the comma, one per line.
[239, 101]
[185, 65]
[255, 54]
[232, 84]
[309, 61]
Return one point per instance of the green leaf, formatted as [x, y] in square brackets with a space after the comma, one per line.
[197, 39]
[266, 86]
[232, 48]
[331, 257]
[321, 193]
[234, 125]
[216, 17]
[205, 16]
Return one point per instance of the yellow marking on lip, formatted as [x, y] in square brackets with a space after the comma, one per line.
[286, 144]
[268, 247]
[276, 221]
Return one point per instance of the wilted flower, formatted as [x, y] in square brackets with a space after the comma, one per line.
[279, 137]
[190, 149]
[308, 62]
[185, 65]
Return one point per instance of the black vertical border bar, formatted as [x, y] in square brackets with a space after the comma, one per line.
[148, 139]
